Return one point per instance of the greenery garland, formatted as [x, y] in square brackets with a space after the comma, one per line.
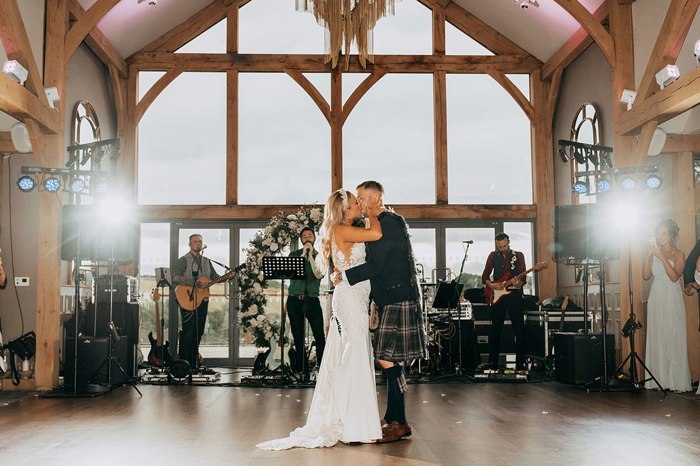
[282, 230]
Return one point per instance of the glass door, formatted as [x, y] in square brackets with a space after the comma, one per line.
[215, 344]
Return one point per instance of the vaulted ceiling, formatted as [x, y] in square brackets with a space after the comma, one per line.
[541, 31]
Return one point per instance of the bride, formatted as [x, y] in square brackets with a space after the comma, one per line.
[344, 405]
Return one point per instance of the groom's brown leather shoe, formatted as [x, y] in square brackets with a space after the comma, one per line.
[403, 429]
[394, 432]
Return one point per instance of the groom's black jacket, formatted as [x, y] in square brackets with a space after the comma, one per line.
[389, 263]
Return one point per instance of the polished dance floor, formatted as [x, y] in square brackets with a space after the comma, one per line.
[453, 423]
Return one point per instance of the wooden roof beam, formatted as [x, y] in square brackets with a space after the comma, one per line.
[163, 61]
[17, 47]
[6, 142]
[18, 102]
[669, 102]
[681, 143]
[475, 28]
[668, 43]
[573, 47]
[411, 211]
[592, 26]
[98, 43]
[191, 27]
[86, 23]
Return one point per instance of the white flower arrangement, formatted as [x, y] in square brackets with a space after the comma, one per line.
[279, 232]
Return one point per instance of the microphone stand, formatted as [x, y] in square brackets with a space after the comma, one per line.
[195, 276]
[455, 298]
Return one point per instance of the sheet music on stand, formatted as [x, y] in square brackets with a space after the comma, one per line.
[284, 268]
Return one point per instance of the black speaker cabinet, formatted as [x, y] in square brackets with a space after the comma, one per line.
[579, 357]
[125, 317]
[92, 354]
[581, 230]
[482, 328]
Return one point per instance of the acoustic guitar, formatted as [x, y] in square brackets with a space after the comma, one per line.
[493, 296]
[159, 353]
[190, 300]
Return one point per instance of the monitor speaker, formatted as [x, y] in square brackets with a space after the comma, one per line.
[578, 357]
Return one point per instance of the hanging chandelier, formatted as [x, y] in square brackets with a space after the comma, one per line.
[348, 21]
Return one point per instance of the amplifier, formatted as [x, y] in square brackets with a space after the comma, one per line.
[120, 288]
[541, 325]
[92, 361]
[482, 328]
[579, 357]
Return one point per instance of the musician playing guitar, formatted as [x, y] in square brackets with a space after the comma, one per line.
[188, 270]
[506, 262]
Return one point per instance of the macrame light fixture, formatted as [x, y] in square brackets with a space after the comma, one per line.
[348, 21]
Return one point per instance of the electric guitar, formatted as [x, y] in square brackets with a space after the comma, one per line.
[493, 296]
[189, 300]
[159, 353]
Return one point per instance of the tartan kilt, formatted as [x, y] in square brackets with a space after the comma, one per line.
[401, 333]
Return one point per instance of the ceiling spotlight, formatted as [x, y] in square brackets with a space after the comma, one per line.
[628, 183]
[150, 2]
[525, 4]
[652, 181]
[667, 75]
[26, 183]
[581, 186]
[604, 184]
[77, 185]
[52, 184]
[14, 70]
[628, 98]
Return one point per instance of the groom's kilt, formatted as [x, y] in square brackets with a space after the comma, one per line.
[401, 333]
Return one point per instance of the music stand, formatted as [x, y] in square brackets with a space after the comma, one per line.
[447, 297]
[283, 268]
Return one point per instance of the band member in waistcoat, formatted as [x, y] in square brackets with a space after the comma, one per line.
[187, 270]
[303, 303]
[501, 261]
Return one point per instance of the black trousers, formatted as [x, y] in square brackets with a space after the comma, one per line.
[314, 314]
[512, 303]
[191, 336]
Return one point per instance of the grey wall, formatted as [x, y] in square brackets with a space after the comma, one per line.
[88, 79]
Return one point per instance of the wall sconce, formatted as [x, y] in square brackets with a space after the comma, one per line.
[667, 75]
[14, 70]
[628, 98]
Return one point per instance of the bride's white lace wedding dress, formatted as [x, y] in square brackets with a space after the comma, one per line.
[344, 404]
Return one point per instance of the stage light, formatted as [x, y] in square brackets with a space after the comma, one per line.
[697, 53]
[14, 70]
[607, 161]
[652, 181]
[628, 183]
[667, 75]
[604, 184]
[579, 155]
[563, 155]
[581, 186]
[592, 156]
[628, 98]
[101, 186]
[52, 184]
[623, 213]
[77, 186]
[26, 183]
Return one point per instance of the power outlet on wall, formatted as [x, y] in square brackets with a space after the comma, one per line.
[21, 281]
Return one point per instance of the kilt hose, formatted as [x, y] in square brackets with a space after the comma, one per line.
[401, 333]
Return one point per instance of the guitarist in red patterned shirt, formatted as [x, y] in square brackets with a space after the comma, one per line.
[505, 263]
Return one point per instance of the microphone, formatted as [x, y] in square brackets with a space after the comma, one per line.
[203, 248]
[471, 241]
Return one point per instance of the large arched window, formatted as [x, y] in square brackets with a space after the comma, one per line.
[585, 128]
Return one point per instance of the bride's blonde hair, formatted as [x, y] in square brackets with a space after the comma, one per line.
[333, 215]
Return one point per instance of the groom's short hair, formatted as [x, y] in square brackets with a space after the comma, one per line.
[371, 185]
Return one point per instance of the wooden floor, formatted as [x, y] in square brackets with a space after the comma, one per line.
[535, 423]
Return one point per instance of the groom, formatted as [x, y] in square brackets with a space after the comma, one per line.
[400, 337]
